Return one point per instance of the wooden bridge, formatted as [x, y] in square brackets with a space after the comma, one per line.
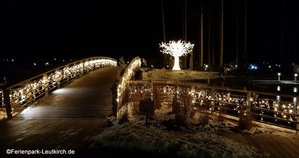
[65, 118]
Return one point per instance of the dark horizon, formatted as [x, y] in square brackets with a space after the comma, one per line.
[73, 29]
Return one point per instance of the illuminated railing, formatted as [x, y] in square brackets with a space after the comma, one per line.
[128, 74]
[272, 108]
[16, 97]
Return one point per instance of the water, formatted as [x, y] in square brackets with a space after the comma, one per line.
[16, 70]
[249, 83]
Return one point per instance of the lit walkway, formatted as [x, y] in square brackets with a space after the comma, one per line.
[64, 118]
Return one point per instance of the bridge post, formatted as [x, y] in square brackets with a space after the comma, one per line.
[248, 101]
[82, 71]
[68, 75]
[7, 103]
[212, 104]
[297, 112]
[58, 84]
[47, 85]
[114, 97]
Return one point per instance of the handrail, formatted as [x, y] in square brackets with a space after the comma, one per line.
[279, 109]
[16, 97]
[128, 74]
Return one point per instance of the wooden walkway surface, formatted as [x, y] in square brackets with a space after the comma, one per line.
[271, 145]
[65, 118]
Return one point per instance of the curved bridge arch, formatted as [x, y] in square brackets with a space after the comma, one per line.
[15, 97]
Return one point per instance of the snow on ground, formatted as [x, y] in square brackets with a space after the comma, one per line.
[167, 74]
[159, 139]
[155, 139]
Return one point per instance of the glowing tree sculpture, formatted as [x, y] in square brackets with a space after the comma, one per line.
[176, 49]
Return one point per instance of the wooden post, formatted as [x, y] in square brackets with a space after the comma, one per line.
[297, 112]
[68, 77]
[47, 85]
[83, 68]
[212, 100]
[7, 103]
[248, 101]
[58, 82]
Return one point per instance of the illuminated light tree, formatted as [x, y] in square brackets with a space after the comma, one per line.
[176, 49]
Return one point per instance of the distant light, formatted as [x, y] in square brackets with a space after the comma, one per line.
[295, 89]
[206, 66]
[252, 67]
[278, 74]
[278, 98]
[34, 64]
[278, 88]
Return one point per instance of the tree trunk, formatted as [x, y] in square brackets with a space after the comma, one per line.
[201, 35]
[221, 36]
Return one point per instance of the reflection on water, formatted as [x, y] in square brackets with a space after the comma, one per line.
[283, 87]
[286, 89]
[295, 89]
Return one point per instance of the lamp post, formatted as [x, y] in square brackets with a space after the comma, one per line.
[295, 77]
[278, 75]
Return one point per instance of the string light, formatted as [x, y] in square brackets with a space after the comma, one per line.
[176, 49]
[200, 98]
[134, 65]
[25, 92]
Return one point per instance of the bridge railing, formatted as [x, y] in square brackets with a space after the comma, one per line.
[15, 98]
[272, 108]
[121, 88]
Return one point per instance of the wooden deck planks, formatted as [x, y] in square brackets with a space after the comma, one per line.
[279, 146]
[241, 138]
[250, 141]
[295, 141]
[284, 143]
[261, 144]
[267, 146]
[290, 144]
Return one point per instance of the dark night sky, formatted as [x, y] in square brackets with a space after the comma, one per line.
[52, 28]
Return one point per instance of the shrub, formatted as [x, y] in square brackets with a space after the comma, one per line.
[245, 121]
